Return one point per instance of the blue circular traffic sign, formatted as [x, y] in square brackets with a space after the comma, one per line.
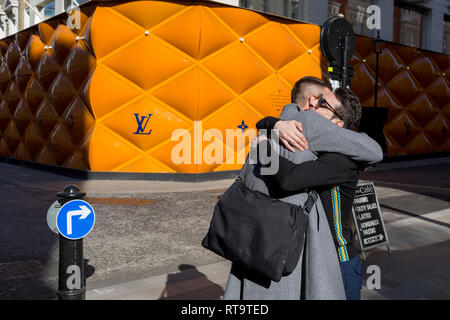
[75, 219]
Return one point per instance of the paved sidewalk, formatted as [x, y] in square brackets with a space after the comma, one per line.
[423, 242]
[146, 243]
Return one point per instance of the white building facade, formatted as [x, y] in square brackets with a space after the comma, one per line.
[419, 23]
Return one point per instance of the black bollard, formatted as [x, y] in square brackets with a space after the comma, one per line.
[71, 282]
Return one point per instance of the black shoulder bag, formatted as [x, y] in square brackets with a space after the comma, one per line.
[260, 233]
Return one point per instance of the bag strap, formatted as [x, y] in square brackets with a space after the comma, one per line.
[310, 202]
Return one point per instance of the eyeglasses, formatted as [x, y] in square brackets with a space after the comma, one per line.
[323, 103]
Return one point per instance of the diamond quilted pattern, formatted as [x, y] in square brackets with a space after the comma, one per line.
[421, 144]
[282, 38]
[388, 63]
[363, 82]
[5, 115]
[269, 96]
[241, 21]
[12, 56]
[439, 91]
[164, 153]
[46, 155]
[422, 109]
[79, 64]
[198, 94]
[414, 87]
[424, 70]
[61, 93]
[438, 129]
[77, 161]
[406, 54]
[34, 95]
[62, 43]
[22, 74]
[12, 136]
[148, 14]
[46, 117]
[61, 142]
[157, 65]
[98, 91]
[238, 67]
[21, 153]
[157, 118]
[386, 98]
[404, 87]
[110, 150]
[22, 117]
[111, 101]
[234, 113]
[78, 120]
[4, 148]
[34, 51]
[5, 76]
[12, 96]
[47, 70]
[46, 32]
[403, 128]
[122, 30]
[213, 34]
[305, 65]
[34, 139]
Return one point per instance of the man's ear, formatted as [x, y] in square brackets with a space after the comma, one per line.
[312, 100]
[338, 122]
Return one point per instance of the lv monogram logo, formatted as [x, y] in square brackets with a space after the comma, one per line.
[140, 122]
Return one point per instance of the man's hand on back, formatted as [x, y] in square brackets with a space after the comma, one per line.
[290, 133]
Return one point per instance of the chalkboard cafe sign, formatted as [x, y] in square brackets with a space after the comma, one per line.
[368, 219]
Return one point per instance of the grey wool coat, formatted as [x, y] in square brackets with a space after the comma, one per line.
[317, 275]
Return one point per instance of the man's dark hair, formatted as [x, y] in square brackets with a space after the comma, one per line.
[300, 85]
[350, 109]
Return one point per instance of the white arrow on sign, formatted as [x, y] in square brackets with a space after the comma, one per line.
[84, 212]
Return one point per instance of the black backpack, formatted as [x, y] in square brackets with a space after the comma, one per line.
[257, 232]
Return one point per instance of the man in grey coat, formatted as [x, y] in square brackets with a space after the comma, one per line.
[317, 275]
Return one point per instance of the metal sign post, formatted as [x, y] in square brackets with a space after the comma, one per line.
[74, 220]
[368, 219]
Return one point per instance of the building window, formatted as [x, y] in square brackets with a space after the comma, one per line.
[334, 8]
[264, 5]
[245, 4]
[446, 35]
[286, 8]
[355, 11]
[408, 24]
[294, 9]
[49, 10]
[290, 8]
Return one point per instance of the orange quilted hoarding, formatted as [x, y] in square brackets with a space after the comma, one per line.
[414, 85]
[132, 82]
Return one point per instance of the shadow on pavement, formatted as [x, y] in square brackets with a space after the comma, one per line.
[190, 284]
